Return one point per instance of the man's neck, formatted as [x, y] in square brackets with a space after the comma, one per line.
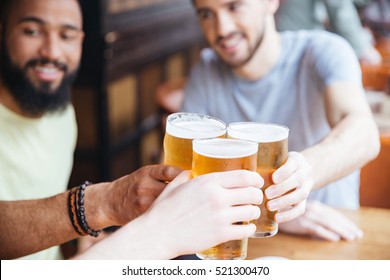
[266, 57]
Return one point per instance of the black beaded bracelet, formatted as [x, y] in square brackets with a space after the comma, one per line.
[77, 211]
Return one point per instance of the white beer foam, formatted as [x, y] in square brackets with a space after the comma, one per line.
[205, 128]
[258, 132]
[224, 148]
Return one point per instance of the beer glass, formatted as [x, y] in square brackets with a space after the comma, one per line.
[272, 153]
[222, 154]
[181, 129]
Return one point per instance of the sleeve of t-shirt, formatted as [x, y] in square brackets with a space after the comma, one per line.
[334, 60]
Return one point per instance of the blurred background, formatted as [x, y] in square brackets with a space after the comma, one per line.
[131, 48]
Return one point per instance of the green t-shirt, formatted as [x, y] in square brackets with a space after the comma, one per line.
[36, 158]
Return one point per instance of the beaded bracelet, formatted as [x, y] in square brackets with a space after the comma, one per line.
[77, 211]
[72, 211]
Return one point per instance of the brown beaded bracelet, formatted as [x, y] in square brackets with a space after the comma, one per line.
[77, 211]
[72, 211]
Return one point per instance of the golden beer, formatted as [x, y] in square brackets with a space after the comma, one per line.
[221, 154]
[272, 154]
[181, 129]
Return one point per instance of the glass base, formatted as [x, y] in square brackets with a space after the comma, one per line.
[264, 234]
[204, 257]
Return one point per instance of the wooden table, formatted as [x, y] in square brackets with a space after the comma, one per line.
[375, 222]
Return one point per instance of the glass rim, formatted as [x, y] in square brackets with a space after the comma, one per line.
[217, 131]
[271, 135]
[249, 149]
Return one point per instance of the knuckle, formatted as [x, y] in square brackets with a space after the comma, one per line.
[220, 219]
[142, 172]
[280, 188]
[314, 206]
[169, 172]
[309, 167]
[301, 176]
[245, 176]
[138, 191]
[301, 209]
[310, 184]
[216, 199]
[165, 170]
[302, 194]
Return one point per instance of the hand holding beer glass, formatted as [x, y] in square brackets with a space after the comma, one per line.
[272, 154]
[181, 129]
[221, 154]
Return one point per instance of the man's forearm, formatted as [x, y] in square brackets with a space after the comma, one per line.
[30, 226]
[351, 144]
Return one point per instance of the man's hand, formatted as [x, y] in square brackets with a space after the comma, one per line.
[131, 195]
[324, 222]
[189, 216]
[292, 185]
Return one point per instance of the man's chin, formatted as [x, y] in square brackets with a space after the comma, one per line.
[235, 63]
[47, 88]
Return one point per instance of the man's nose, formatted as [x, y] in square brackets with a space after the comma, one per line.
[225, 25]
[51, 47]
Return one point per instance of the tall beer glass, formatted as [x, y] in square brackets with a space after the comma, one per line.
[272, 153]
[221, 154]
[181, 129]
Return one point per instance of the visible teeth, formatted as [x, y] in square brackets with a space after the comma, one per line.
[47, 70]
[231, 42]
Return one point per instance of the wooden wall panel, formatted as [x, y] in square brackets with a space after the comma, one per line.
[84, 101]
[125, 162]
[122, 105]
[175, 66]
[83, 171]
[150, 147]
[131, 47]
[149, 79]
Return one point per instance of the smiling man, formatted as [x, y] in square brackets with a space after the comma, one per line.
[41, 45]
[40, 55]
[309, 81]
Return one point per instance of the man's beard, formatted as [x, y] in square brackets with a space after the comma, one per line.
[252, 52]
[35, 100]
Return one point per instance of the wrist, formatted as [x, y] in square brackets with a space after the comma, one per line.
[154, 235]
[97, 208]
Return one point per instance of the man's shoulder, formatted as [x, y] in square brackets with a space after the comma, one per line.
[317, 43]
[313, 37]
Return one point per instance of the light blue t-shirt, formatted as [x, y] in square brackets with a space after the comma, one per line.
[292, 94]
